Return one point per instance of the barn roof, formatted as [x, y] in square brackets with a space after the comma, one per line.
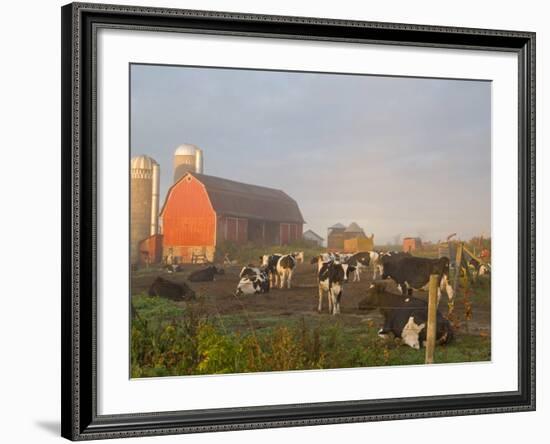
[231, 198]
[354, 228]
[313, 233]
[337, 225]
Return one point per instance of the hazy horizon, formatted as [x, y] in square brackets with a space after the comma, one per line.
[397, 155]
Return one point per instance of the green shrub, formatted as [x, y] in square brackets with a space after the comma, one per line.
[170, 339]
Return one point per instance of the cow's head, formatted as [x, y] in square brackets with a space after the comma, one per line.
[410, 334]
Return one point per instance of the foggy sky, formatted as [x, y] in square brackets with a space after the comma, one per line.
[402, 156]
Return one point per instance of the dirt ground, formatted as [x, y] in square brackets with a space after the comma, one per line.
[299, 301]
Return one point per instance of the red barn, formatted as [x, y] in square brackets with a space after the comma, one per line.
[202, 211]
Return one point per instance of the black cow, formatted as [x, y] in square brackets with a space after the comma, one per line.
[269, 262]
[411, 272]
[170, 290]
[205, 275]
[253, 281]
[405, 316]
[332, 276]
[377, 259]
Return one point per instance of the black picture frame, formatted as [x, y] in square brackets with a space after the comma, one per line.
[79, 171]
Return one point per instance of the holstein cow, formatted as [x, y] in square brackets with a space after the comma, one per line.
[478, 268]
[377, 259]
[269, 262]
[358, 260]
[205, 275]
[170, 290]
[253, 281]
[173, 268]
[285, 268]
[299, 256]
[405, 316]
[332, 276]
[413, 273]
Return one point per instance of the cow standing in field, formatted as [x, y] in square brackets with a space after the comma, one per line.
[359, 261]
[380, 258]
[413, 273]
[205, 275]
[285, 268]
[299, 256]
[269, 263]
[331, 276]
[253, 280]
[405, 316]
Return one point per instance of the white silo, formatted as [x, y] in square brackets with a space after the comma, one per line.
[187, 159]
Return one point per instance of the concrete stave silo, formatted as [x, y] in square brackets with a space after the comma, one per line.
[144, 202]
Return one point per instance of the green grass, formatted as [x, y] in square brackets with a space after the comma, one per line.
[168, 339]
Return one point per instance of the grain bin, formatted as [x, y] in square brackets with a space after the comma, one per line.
[144, 198]
[187, 159]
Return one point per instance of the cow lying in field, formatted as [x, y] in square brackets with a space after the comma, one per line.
[404, 316]
[173, 268]
[205, 275]
[170, 290]
[331, 276]
[413, 273]
[253, 280]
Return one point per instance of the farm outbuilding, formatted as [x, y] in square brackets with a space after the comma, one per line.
[354, 231]
[411, 244]
[313, 237]
[335, 237]
[202, 211]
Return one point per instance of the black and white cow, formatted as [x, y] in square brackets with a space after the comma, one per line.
[285, 268]
[299, 256]
[253, 281]
[205, 275]
[377, 259]
[405, 316]
[269, 262]
[173, 268]
[413, 273]
[170, 290]
[359, 261]
[332, 275]
[479, 268]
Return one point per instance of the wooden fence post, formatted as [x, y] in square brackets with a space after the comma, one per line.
[458, 266]
[432, 319]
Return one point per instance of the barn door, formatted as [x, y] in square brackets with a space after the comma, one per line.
[285, 234]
